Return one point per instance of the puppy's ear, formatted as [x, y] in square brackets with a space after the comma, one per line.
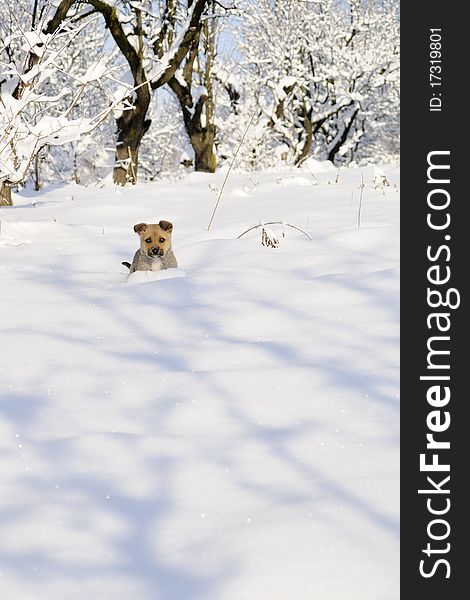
[166, 226]
[140, 227]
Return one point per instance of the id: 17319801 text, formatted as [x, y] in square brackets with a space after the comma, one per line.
[435, 69]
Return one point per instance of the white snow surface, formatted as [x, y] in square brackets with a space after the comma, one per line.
[227, 430]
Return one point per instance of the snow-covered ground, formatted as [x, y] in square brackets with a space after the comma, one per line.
[225, 431]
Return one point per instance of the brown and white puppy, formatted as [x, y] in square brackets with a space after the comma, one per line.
[155, 252]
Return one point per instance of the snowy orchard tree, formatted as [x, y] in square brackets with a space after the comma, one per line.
[319, 68]
[153, 38]
[375, 133]
[192, 84]
[241, 125]
[89, 158]
[32, 114]
[275, 46]
[197, 85]
[367, 66]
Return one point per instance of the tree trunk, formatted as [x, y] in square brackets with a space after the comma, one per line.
[202, 141]
[198, 113]
[37, 176]
[342, 138]
[310, 131]
[5, 194]
[132, 126]
[201, 137]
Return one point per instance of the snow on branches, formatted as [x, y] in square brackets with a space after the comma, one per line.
[323, 73]
[34, 110]
[313, 78]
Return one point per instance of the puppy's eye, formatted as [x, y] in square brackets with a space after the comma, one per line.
[162, 240]
[148, 241]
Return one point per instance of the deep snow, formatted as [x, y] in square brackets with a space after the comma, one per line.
[225, 431]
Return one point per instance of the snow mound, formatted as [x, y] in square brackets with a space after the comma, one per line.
[14, 242]
[295, 180]
[243, 191]
[318, 166]
[13, 234]
[147, 276]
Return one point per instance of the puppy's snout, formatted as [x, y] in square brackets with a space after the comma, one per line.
[155, 251]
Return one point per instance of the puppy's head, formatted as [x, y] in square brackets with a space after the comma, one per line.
[155, 239]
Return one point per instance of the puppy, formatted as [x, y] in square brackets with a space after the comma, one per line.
[155, 252]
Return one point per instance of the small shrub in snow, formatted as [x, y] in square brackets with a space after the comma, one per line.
[268, 238]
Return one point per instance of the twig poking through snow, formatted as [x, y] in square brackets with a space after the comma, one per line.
[274, 223]
[230, 168]
[360, 201]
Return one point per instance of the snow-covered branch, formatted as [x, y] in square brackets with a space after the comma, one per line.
[29, 116]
